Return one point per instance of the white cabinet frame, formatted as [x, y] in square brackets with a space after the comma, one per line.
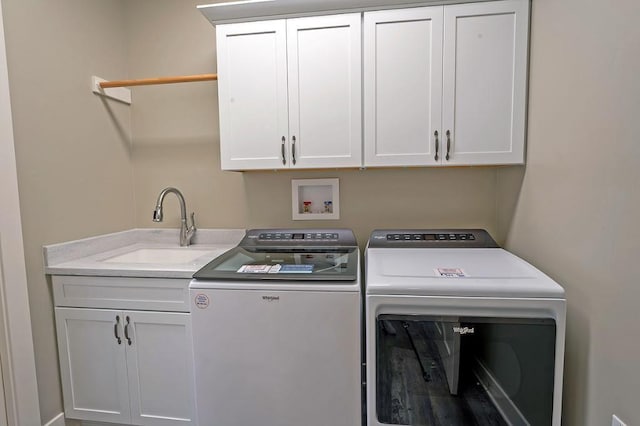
[403, 86]
[122, 360]
[485, 81]
[160, 368]
[467, 105]
[325, 91]
[127, 367]
[252, 95]
[93, 364]
[290, 93]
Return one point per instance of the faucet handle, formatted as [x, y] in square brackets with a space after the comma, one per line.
[193, 222]
[187, 232]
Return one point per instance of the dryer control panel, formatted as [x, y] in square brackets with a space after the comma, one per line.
[432, 238]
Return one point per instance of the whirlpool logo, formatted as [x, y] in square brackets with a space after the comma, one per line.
[271, 298]
[464, 330]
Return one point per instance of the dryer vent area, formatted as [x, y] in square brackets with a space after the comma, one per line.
[464, 370]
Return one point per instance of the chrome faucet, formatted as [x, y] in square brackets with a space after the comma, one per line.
[186, 231]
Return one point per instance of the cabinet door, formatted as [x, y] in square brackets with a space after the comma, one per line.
[484, 84]
[160, 365]
[402, 86]
[325, 74]
[93, 364]
[252, 95]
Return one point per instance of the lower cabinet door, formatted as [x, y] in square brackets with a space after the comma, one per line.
[93, 367]
[160, 367]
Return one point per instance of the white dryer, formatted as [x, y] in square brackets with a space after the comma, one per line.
[460, 332]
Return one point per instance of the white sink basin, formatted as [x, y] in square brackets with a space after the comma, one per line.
[160, 255]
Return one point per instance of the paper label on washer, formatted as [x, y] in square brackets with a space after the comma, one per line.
[295, 269]
[276, 269]
[201, 301]
[450, 272]
[255, 269]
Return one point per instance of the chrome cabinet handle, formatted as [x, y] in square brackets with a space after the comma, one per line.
[437, 145]
[284, 160]
[115, 329]
[126, 332]
[293, 150]
[448, 145]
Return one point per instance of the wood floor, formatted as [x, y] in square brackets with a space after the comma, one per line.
[406, 396]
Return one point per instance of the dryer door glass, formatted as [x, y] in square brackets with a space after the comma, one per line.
[464, 370]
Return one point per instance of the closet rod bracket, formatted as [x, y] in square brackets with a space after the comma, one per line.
[121, 94]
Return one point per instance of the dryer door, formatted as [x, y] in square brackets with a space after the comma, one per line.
[448, 370]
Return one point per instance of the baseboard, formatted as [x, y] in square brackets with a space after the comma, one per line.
[499, 397]
[59, 420]
[56, 421]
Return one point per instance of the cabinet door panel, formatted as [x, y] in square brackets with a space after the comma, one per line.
[93, 365]
[403, 86]
[485, 59]
[160, 365]
[324, 69]
[252, 93]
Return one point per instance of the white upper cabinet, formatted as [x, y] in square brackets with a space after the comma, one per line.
[290, 93]
[325, 91]
[252, 93]
[428, 86]
[403, 86]
[446, 85]
[484, 84]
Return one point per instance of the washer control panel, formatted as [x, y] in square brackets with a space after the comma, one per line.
[432, 238]
[297, 236]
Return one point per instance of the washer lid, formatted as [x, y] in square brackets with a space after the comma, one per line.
[292, 264]
[473, 272]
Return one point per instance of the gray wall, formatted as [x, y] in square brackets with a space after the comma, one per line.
[176, 142]
[72, 150]
[572, 213]
[575, 211]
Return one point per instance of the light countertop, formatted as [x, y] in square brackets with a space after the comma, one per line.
[139, 253]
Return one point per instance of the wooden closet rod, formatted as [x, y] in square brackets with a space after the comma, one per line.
[160, 80]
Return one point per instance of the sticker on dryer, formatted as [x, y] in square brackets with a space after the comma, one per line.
[201, 301]
[450, 272]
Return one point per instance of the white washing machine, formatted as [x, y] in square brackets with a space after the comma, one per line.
[460, 332]
[277, 331]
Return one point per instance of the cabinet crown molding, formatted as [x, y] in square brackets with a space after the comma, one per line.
[260, 10]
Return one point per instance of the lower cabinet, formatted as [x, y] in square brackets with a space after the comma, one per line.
[128, 367]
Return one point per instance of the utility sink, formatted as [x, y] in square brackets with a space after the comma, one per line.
[160, 255]
[142, 253]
